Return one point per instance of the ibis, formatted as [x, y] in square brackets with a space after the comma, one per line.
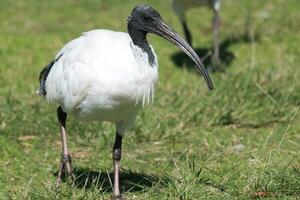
[105, 75]
[181, 6]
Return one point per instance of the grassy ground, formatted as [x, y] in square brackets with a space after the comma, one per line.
[240, 141]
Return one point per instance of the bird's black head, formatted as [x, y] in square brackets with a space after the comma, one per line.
[144, 19]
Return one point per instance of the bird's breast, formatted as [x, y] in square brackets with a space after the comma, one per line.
[118, 97]
[102, 76]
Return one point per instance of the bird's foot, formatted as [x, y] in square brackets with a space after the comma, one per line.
[216, 64]
[216, 60]
[65, 167]
[118, 197]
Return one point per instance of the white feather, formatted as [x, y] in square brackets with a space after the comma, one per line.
[102, 76]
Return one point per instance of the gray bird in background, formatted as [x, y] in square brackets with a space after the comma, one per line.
[181, 6]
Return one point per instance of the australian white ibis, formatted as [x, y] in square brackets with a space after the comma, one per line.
[181, 6]
[108, 76]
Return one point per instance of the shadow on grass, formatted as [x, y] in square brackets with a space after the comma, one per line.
[129, 181]
[206, 54]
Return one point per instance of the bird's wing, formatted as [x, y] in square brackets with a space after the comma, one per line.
[45, 72]
[66, 77]
[94, 60]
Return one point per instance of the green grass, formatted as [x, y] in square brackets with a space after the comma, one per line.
[240, 141]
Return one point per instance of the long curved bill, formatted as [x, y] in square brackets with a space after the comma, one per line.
[163, 30]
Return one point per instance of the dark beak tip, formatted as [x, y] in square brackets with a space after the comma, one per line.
[210, 86]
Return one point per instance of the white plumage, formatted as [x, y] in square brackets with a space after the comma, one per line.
[82, 82]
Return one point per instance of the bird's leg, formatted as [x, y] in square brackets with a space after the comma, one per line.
[116, 155]
[65, 163]
[187, 33]
[216, 26]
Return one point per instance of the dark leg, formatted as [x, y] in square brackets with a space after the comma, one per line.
[117, 151]
[65, 163]
[216, 26]
[187, 33]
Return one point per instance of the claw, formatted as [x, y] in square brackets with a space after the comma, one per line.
[65, 166]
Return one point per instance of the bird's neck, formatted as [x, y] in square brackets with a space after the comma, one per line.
[139, 39]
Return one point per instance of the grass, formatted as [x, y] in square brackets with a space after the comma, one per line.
[240, 141]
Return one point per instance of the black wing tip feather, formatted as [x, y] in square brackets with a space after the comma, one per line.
[44, 74]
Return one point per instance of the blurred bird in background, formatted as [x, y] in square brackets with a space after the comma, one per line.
[182, 6]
